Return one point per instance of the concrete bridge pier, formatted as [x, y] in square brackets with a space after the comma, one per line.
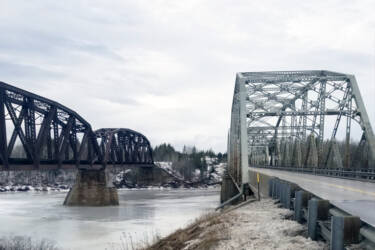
[92, 188]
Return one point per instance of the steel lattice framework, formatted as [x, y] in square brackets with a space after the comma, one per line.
[296, 118]
[124, 146]
[50, 136]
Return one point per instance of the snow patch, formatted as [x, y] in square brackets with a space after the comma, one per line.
[262, 225]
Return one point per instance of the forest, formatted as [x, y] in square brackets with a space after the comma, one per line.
[189, 160]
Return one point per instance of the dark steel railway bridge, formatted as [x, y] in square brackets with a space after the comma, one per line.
[39, 134]
[51, 136]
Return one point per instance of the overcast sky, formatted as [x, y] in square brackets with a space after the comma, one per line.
[167, 68]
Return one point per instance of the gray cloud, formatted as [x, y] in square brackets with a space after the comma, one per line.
[15, 71]
[167, 68]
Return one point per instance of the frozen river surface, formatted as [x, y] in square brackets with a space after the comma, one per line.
[141, 215]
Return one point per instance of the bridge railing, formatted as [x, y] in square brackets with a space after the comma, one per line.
[324, 220]
[353, 174]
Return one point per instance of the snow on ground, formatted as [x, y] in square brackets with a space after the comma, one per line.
[262, 225]
[214, 170]
[167, 166]
[256, 225]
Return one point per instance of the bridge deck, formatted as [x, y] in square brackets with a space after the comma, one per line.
[47, 167]
[354, 197]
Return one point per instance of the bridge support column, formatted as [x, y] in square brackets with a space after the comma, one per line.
[270, 186]
[302, 197]
[318, 210]
[283, 194]
[290, 194]
[344, 230]
[92, 189]
[274, 188]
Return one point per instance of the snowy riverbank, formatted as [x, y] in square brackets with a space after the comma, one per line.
[256, 225]
[63, 179]
[28, 188]
[63, 188]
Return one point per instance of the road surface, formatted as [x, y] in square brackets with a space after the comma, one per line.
[354, 197]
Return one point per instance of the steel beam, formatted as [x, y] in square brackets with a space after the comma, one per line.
[365, 121]
[3, 132]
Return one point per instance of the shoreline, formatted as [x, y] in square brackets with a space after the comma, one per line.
[63, 188]
[250, 225]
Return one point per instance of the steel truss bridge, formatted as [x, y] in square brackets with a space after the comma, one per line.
[37, 133]
[312, 121]
[305, 139]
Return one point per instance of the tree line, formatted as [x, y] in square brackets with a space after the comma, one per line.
[189, 160]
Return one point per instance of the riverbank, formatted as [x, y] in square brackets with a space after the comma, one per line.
[255, 225]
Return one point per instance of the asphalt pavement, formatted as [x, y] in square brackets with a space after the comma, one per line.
[354, 197]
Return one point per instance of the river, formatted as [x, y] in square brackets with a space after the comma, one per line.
[141, 215]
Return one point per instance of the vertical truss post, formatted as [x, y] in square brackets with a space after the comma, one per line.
[366, 125]
[30, 130]
[233, 166]
[73, 140]
[293, 124]
[89, 149]
[49, 144]
[304, 118]
[229, 155]
[243, 133]
[3, 132]
[56, 137]
[322, 109]
[348, 128]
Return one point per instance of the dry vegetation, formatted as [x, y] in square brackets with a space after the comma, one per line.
[249, 225]
[203, 233]
[25, 243]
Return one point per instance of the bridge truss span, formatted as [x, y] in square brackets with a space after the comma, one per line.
[37, 133]
[124, 146]
[298, 119]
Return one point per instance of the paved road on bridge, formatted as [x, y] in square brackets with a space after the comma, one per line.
[354, 197]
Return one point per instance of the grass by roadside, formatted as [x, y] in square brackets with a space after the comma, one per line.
[203, 233]
[25, 243]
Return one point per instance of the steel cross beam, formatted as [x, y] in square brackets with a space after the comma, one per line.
[271, 108]
[51, 136]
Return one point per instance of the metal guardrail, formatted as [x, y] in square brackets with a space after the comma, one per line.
[352, 174]
[324, 220]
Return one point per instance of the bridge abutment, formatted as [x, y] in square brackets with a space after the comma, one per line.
[92, 188]
[228, 189]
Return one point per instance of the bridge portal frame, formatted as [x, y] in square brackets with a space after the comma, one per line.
[256, 92]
